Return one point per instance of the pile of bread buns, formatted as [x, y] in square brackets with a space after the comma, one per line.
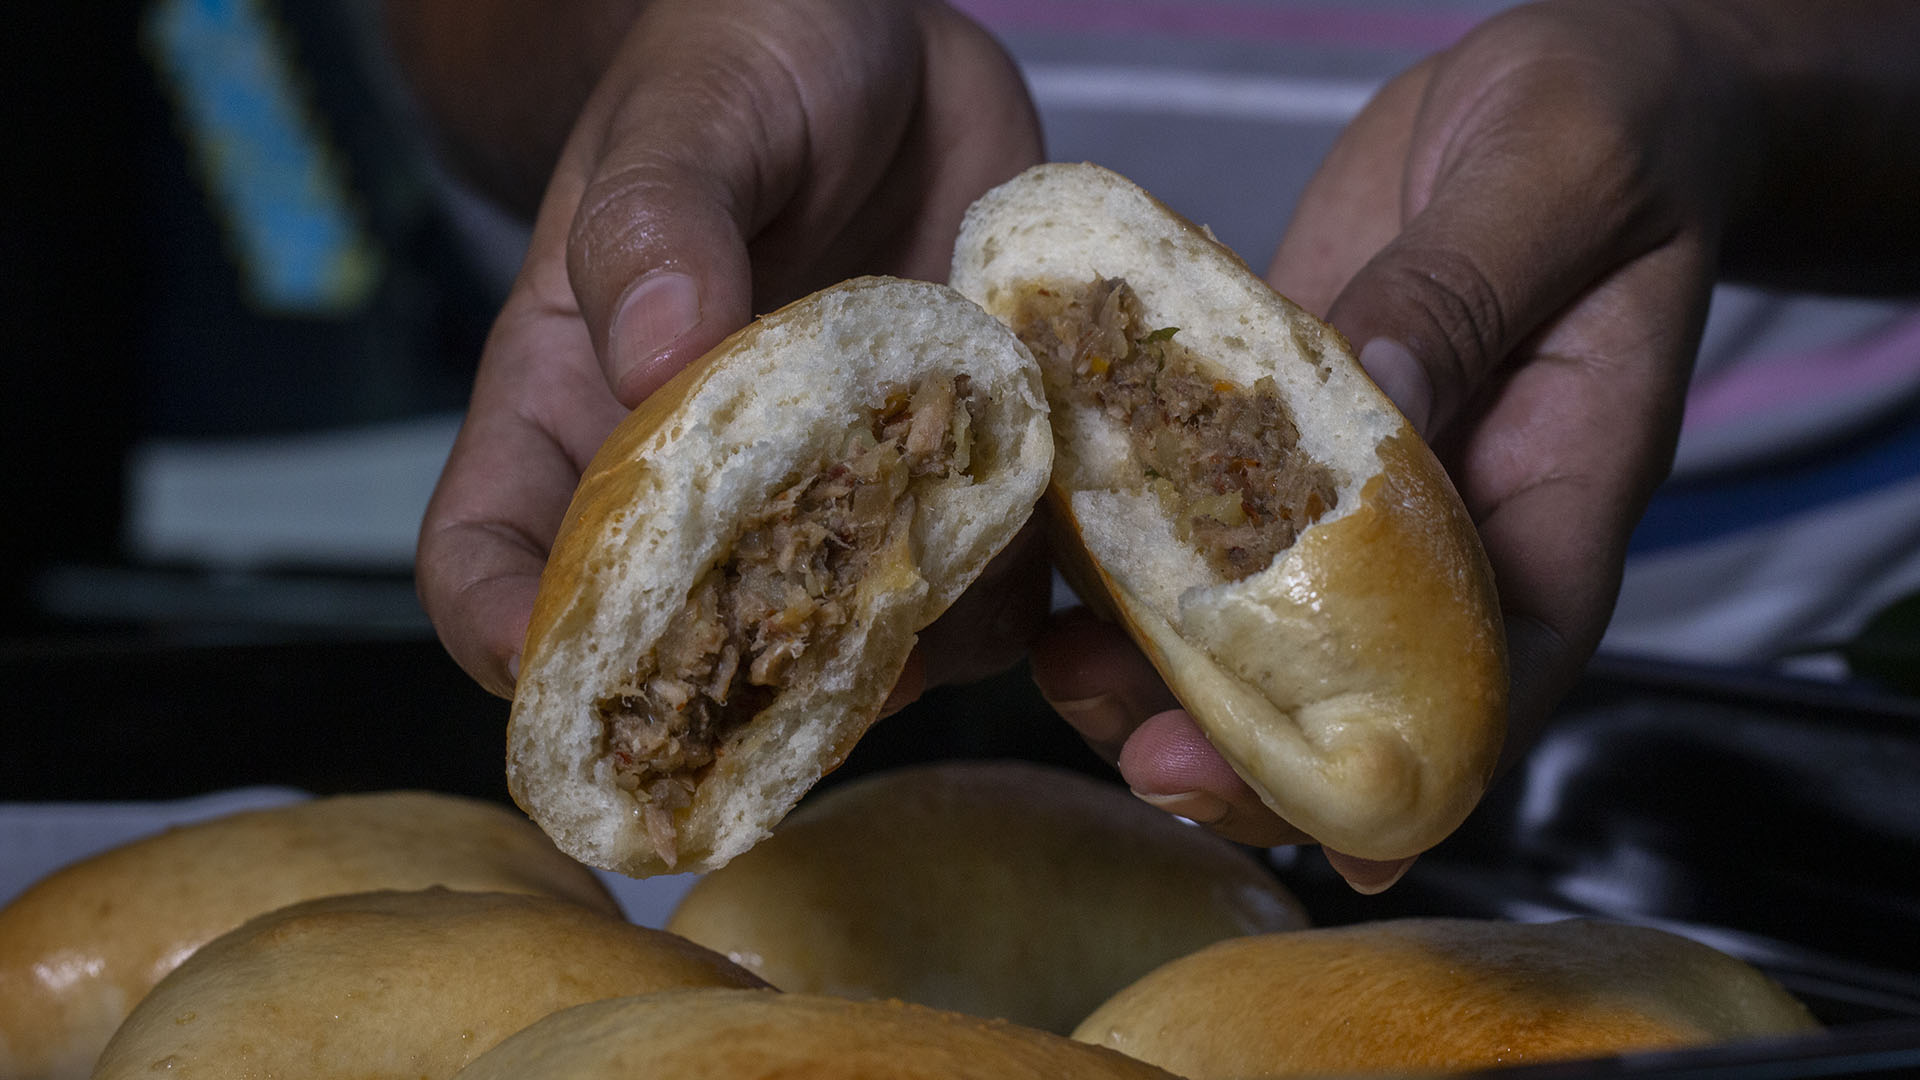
[733, 593]
[80, 948]
[955, 920]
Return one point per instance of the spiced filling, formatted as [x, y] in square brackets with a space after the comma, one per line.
[1223, 459]
[787, 585]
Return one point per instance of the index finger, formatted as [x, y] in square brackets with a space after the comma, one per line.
[540, 408]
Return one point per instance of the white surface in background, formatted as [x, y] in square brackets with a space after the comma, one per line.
[348, 498]
[648, 901]
[39, 838]
[1148, 90]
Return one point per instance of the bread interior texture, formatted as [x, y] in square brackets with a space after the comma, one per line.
[1224, 460]
[784, 588]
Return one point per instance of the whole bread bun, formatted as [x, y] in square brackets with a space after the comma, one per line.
[1437, 994]
[668, 714]
[759, 1035]
[79, 948]
[999, 889]
[392, 986]
[1233, 488]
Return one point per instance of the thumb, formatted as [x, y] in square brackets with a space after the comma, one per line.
[1491, 252]
[657, 260]
[660, 193]
[1437, 311]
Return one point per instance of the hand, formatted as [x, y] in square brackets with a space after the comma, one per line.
[1094, 676]
[1520, 236]
[733, 156]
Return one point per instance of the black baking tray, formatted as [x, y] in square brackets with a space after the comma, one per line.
[1776, 819]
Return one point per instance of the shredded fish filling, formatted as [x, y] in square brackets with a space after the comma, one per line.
[786, 586]
[1224, 459]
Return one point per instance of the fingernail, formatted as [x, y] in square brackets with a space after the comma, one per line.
[1199, 807]
[513, 668]
[656, 313]
[1401, 378]
[1099, 718]
[1370, 878]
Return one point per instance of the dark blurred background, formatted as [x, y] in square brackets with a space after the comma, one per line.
[246, 302]
[243, 321]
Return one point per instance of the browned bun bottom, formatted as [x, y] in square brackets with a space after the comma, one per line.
[999, 889]
[743, 1035]
[392, 986]
[1436, 994]
[81, 947]
[1232, 487]
[742, 572]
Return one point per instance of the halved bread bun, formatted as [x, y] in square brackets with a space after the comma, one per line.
[736, 1034]
[1234, 489]
[663, 721]
[1437, 994]
[392, 986]
[81, 947]
[1000, 889]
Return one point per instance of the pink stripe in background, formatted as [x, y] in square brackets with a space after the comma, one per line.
[1889, 360]
[1296, 24]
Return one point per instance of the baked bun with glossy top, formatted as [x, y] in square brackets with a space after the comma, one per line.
[81, 947]
[392, 986]
[1437, 995]
[1233, 488]
[749, 1035]
[745, 564]
[1000, 889]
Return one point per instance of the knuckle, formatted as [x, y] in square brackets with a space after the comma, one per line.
[1467, 327]
[1579, 28]
[1528, 30]
[615, 215]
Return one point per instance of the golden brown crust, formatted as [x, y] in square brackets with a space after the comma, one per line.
[393, 986]
[612, 480]
[733, 1035]
[1438, 994]
[1378, 638]
[1359, 682]
[998, 889]
[81, 947]
[664, 500]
